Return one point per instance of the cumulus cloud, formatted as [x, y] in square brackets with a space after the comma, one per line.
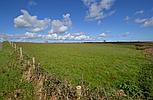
[103, 35]
[83, 37]
[145, 22]
[97, 10]
[68, 36]
[106, 4]
[43, 37]
[31, 23]
[61, 26]
[30, 35]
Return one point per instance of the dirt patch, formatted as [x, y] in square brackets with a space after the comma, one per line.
[148, 48]
[149, 51]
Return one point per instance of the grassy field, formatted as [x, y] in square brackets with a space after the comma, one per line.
[10, 75]
[100, 65]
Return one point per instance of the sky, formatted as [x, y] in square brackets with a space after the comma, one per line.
[76, 20]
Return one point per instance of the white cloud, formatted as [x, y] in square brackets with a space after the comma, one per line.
[71, 36]
[106, 4]
[139, 21]
[103, 35]
[68, 36]
[127, 18]
[49, 36]
[88, 2]
[63, 37]
[30, 35]
[145, 22]
[3, 37]
[61, 26]
[139, 12]
[31, 23]
[83, 37]
[78, 34]
[96, 10]
[148, 22]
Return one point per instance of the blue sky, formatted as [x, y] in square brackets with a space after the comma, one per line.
[77, 20]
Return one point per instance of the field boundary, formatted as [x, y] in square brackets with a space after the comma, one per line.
[48, 86]
[1, 46]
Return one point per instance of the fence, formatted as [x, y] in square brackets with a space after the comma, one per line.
[48, 86]
[1, 46]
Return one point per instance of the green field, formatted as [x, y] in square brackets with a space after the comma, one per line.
[10, 77]
[100, 65]
[109, 66]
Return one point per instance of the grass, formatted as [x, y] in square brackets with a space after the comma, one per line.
[100, 65]
[110, 67]
[10, 76]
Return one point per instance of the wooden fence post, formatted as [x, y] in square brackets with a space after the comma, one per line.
[21, 54]
[28, 63]
[33, 62]
[78, 91]
[14, 46]
[9, 42]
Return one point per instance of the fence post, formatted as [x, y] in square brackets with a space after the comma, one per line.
[9, 42]
[33, 62]
[78, 91]
[14, 46]
[21, 54]
[28, 63]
